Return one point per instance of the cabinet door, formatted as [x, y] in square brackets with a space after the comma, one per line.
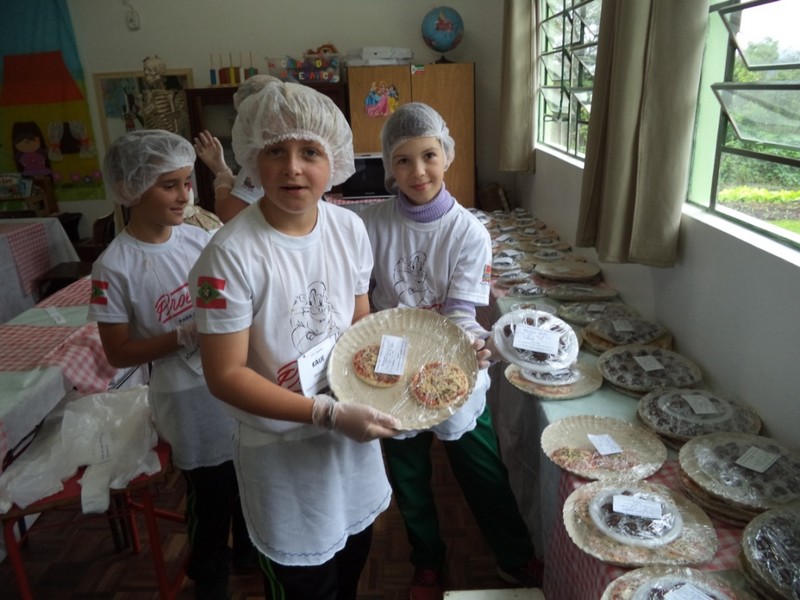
[374, 92]
[450, 89]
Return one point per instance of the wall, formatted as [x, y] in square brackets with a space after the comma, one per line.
[732, 304]
[186, 32]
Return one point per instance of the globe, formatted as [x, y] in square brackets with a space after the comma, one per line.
[442, 29]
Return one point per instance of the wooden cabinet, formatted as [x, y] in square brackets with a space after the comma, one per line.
[212, 109]
[448, 87]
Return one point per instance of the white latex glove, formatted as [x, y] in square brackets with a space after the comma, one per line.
[483, 352]
[187, 335]
[359, 422]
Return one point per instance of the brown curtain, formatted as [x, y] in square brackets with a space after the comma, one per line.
[640, 133]
[518, 86]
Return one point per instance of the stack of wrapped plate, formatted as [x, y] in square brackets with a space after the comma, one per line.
[601, 518]
[543, 351]
[636, 369]
[677, 415]
[583, 313]
[771, 553]
[649, 583]
[611, 332]
[737, 476]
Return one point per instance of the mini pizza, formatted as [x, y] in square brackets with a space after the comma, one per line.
[364, 361]
[438, 384]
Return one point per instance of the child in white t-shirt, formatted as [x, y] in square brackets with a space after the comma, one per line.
[143, 306]
[431, 253]
[274, 289]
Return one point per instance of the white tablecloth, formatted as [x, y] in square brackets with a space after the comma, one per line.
[18, 291]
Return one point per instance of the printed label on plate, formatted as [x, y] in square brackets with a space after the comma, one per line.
[648, 363]
[502, 260]
[392, 355]
[604, 443]
[530, 230]
[686, 592]
[502, 238]
[701, 405]
[527, 337]
[510, 253]
[630, 505]
[596, 307]
[757, 459]
[622, 325]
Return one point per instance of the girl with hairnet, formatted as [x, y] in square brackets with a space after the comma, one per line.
[232, 194]
[143, 306]
[273, 291]
[431, 253]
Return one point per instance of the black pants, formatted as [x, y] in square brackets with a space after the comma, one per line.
[336, 579]
[213, 510]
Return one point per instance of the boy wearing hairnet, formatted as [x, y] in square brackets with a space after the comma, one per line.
[143, 306]
[232, 194]
[273, 290]
[431, 253]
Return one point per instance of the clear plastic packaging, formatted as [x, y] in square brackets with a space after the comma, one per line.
[657, 583]
[430, 339]
[771, 553]
[506, 338]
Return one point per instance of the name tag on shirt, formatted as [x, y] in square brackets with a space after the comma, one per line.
[313, 367]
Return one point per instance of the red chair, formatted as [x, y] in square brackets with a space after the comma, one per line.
[133, 499]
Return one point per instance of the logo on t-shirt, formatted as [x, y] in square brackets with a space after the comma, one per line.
[209, 293]
[99, 292]
[177, 302]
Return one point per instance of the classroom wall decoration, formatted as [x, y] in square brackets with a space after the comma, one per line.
[45, 124]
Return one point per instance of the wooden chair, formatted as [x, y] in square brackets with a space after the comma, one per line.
[133, 499]
[103, 231]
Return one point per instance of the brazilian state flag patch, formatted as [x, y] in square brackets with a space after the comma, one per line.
[99, 291]
[209, 293]
[487, 274]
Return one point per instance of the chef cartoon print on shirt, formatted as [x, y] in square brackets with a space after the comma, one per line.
[411, 282]
[312, 319]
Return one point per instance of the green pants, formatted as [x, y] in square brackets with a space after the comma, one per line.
[482, 477]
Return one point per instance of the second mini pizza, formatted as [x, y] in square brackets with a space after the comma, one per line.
[439, 384]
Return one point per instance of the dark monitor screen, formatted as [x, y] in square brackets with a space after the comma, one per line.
[367, 181]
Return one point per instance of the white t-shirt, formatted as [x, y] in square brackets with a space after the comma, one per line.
[246, 188]
[146, 286]
[421, 265]
[304, 490]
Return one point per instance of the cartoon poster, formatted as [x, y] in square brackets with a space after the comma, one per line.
[381, 100]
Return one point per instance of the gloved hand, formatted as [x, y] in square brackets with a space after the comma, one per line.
[359, 422]
[187, 335]
[483, 352]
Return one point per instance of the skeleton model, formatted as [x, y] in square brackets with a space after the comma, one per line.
[162, 108]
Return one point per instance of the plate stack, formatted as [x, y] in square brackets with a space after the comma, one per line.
[677, 415]
[771, 553]
[636, 369]
[677, 533]
[648, 583]
[611, 332]
[567, 443]
[544, 350]
[737, 476]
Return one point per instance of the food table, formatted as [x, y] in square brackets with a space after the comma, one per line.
[28, 248]
[45, 352]
[540, 486]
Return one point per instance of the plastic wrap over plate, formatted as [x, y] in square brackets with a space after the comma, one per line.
[430, 337]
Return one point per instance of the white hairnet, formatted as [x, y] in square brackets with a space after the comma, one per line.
[250, 86]
[282, 111]
[134, 162]
[409, 121]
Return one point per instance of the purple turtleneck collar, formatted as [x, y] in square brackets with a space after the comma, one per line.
[428, 212]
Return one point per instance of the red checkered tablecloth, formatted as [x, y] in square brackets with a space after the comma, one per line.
[28, 244]
[571, 574]
[75, 294]
[23, 347]
[82, 360]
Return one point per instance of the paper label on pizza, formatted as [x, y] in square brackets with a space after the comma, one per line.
[364, 361]
[439, 384]
[636, 529]
[634, 331]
